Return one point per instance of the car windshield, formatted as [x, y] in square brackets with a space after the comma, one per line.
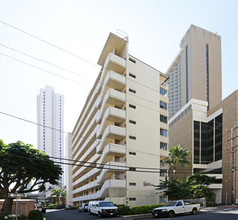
[170, 204]
[105, 204]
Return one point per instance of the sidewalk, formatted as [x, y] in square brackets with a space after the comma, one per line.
[206, 209]
[217, 208]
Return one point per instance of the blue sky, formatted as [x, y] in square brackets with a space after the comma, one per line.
[155, 28]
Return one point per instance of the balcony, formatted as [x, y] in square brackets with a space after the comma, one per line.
[112, 114]
[94, 159]
[90, 174]
[86, 144]
[108, 168]
[103, 192]
[114, 80]
[115, 63]
[86, 187]
[112, 183]
[112, 149]
[111, 131]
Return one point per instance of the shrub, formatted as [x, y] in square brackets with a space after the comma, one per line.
[13, 217]
[124, 210]
[35, 215]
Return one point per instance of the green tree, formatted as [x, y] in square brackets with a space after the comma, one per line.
[175, 189]
[194, 186]
[21, 164]
[59, 193]
[199, 187]
[177, 155]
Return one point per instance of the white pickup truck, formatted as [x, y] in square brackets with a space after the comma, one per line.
[175, 207]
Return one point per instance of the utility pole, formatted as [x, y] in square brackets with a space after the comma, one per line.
[233, 163]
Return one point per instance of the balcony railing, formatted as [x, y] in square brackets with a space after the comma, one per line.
[115, 63]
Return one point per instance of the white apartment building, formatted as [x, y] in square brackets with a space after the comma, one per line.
[122, 132]
[50, 119]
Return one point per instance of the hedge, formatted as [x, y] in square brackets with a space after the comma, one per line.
[126, 210]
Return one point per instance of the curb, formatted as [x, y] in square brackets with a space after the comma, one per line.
[134, 217]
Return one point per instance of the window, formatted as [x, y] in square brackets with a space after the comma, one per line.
[132, 137]
[132, 90]
[132, 106]
[163, 146]
[207, 72]
[132, 184]
[132, 60]
[132, 153]
[163, 132]
[132, 75]
[163, 91]
[163, 119]
[132, 199]
[163, 105]
[132, 169]
[132, 122]
[186, 54]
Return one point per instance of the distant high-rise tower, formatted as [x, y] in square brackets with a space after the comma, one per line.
[50, 117]
[196, 71]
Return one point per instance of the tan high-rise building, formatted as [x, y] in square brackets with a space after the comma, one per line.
[196, 71]
[122, 132]
[199, 118]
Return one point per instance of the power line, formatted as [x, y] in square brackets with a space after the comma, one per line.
[25, 120]
[39, 68]
[82, 137]
[68, 79]
[46, 42]
[45, 62]
[146, 169]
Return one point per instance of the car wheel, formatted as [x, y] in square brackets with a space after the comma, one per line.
[171, 214]
[194, 211]
[90, 212]
[100, 214]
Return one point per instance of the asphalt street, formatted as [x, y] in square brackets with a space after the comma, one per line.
[208, 214]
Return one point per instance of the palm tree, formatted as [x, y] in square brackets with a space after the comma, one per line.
[177, 155]
[59, 193]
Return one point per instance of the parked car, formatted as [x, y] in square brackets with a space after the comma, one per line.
[83, 207]
[68, 207]
[175, 207]
[102, 208]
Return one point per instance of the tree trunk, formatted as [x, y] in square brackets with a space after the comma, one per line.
[7, 206]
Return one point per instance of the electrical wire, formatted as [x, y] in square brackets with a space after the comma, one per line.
[25, 120]
[48, 43]
[91, 141]
[61, 68]
[39, 68]
[54, 65]
[127, 168]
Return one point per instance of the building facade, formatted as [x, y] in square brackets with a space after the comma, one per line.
[199, 118]
[211, 137]
[196, 71]
[50, 119]
[122, 132]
